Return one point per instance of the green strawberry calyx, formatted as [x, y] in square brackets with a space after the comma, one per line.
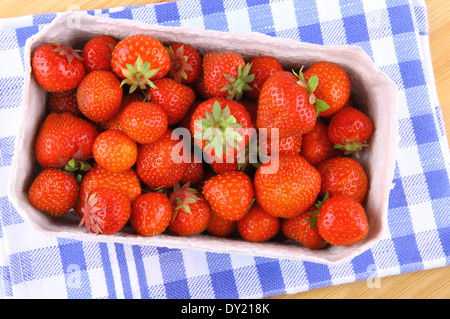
[310, 86]
[237, 85]
[182, 197]
[139, 75]
[66, 50]
[315, 213]
[351, 146]
[179, 63]
[91, 218]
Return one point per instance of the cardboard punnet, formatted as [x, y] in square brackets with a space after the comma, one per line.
[372, 90]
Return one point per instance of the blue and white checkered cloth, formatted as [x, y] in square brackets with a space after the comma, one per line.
[394, 33]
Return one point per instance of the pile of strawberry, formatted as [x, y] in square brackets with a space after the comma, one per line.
[119, 110]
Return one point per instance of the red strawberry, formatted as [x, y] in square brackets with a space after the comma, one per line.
[258, 225]
[144, 122]
[343, 176]
[262, 67]
[57, 67]
[62, 137]
[286, 186]
[316, 146]
[140, 59]
[66, 101]
[284, 105]
[190, 211]
[115, 123]
[97, 53]
[342, 221]
[115, 151]
[53, 191]
[289, 145]
[157, 166]
[105, 211]
[303, 229]
[221, 227]
[349, 130]
[99, 95]
[194, 172]
[173, 97]
[185, 63]
[151, 214]
[230, 194]
[332, 86]
[199, 86]
[126, 182]
[226, 75]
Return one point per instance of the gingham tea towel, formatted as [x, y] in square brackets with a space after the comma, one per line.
[393, 33]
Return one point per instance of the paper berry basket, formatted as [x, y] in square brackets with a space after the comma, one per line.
[373, 92]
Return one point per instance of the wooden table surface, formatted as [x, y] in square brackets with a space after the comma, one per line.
[433, 283]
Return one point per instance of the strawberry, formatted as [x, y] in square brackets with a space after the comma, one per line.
[258, 225]
[284, 105]
[173, 97]
[53, 191]
[343, 176]
[289, 145]
[194, 172]
[97, 53]
[140, 59]
[303, 229]
[115, 151]
[200, 89]
[332, 86]
[156, 166]
[230, 194]
[262, 67]
[226, 75]
[62, 137]
[349, 130]
[190, 211]
[144, 122]
[286, 186]
[126, 182]
[99, 95]
[221, 127]
[127, 99]
[185, 63]
[316, 145]
[342, 221]
[105, 211]
[65, 101]
[151, 214]
[221, 227]
[57, 67]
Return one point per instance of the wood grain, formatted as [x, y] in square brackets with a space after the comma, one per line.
[433, 283]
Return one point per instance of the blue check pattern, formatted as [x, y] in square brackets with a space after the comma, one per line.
[394, 33]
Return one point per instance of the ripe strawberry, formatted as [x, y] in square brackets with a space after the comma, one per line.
[342, 221]
[226, 75]
[190, 211]
[286, 186]
[57, 67]
[66, 101]
[151, 214]
[349, 130]
[53, 191]
[200, 89]
[194, 172]
[316, 145]
[221, 227]
[140, 59]
[333, 85]
[97, 53]
[289, 145]
[284, 105]
[262, 67]
[115, 123]
[144, 122]
[62, 137]
[343, 176]
[126, 182]
[221, 127]
[173, 97]
[99, 95]
[185, 63]
[105, 211]
[303, 229]
[156, 166]
[115, 151]
[258, 225]
[230, 194]
[252, 108]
